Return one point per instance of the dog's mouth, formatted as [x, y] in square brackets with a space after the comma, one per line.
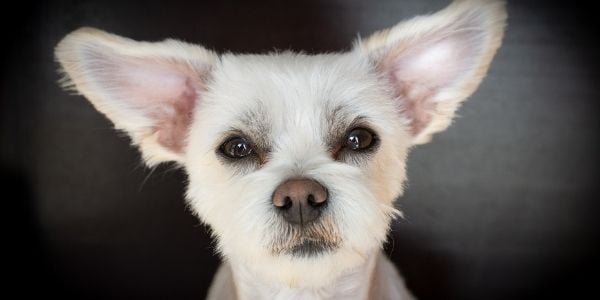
[309, 248]
[317, 238]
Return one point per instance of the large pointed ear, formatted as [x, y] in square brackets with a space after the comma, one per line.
[149, 90]
[433, 63]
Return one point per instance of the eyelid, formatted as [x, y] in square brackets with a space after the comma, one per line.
[338, 142]
[231, 134]
[374, 137]
[259, 152]
[360, 122]
[224, 147]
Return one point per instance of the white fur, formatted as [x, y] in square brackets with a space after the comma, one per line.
[415, 70]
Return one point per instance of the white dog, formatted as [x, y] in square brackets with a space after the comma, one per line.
[294, 160]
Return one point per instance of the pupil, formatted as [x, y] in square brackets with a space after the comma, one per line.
[236, 148]
[354, 142]
[359, 139]
[240, 149]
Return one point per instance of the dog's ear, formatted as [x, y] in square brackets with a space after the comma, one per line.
[433, 63]
[149, 90]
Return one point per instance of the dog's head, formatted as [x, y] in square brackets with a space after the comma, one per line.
[294, 160]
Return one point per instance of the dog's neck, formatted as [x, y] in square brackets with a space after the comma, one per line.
[355, 284]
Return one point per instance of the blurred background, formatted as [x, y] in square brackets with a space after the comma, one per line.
[501, 206]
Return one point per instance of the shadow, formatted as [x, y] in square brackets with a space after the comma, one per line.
[237, 26]
[28, 260]
[426, 273]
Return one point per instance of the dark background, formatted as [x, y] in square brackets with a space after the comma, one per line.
[501, 206]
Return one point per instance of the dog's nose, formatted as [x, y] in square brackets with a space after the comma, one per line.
[300, 200]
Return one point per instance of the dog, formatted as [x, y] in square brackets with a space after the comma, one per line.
[294, 160]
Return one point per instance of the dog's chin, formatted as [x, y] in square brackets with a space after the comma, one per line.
[310, 264]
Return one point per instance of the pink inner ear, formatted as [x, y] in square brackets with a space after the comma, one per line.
[418, 108]
[160, 91]
[173, 128]
[420, 69]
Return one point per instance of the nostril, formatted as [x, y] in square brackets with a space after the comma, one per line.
[287, 203]
[314, 203]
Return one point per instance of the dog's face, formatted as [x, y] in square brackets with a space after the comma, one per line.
[294, 160]
[290, 126]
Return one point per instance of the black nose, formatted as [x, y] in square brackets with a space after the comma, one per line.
[300, 200]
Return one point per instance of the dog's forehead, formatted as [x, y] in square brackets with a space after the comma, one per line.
[284, 92]
[291, 79]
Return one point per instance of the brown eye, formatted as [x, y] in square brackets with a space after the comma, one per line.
[236, 148]
[359, 139]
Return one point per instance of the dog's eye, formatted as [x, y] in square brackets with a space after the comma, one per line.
[359, 139]
[236, 148]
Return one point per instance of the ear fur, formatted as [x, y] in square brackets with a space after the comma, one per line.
[433, 63]
[147, 89]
